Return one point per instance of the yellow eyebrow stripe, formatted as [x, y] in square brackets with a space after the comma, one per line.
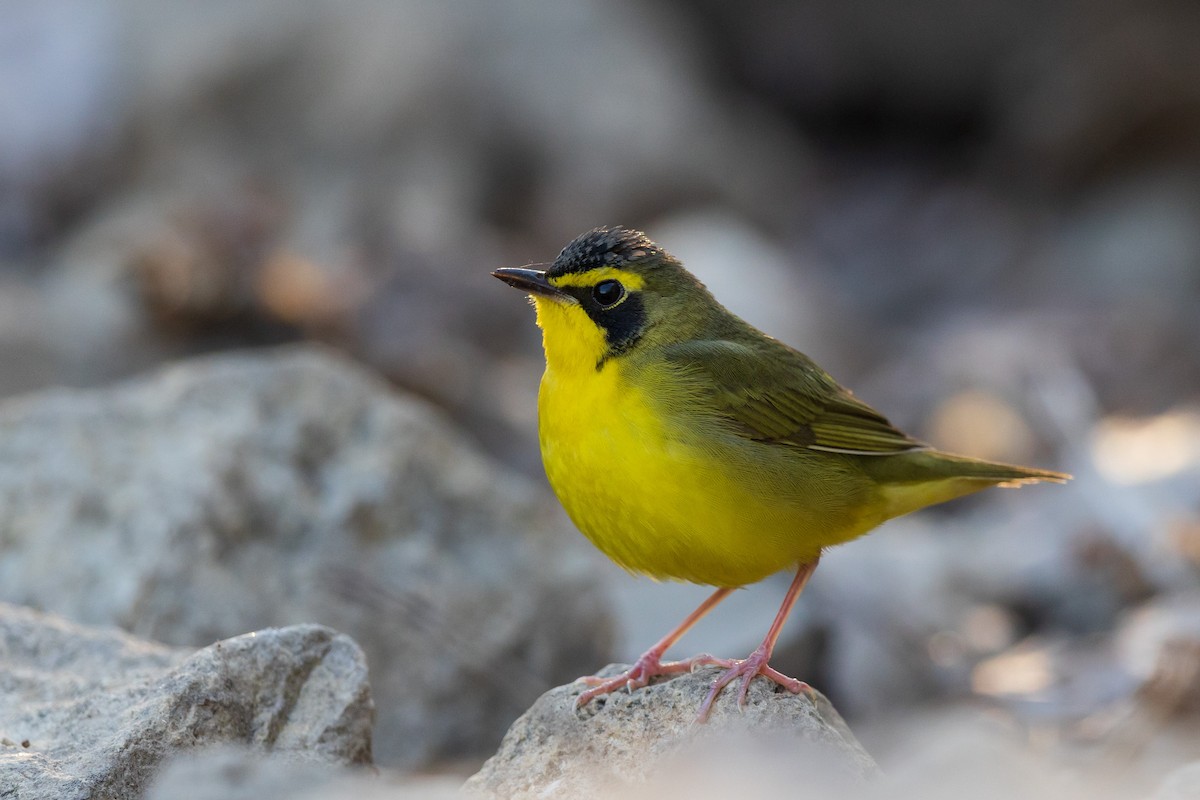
[632, 281]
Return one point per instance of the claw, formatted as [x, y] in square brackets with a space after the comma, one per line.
[748, 669]
[644, 670]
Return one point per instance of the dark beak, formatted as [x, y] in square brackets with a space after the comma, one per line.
[532, 281]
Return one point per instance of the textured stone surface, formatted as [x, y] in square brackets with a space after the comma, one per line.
[91, 713]
[630, 742]
[230, 494]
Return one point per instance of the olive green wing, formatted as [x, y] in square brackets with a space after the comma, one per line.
[772, 393]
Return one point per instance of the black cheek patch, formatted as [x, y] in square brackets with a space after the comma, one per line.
[623, 324]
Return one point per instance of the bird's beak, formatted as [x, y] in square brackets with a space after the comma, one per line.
[532, 281]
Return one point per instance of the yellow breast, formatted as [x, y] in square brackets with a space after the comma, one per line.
[661, 491]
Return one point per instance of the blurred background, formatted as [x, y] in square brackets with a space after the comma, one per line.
[983, 217]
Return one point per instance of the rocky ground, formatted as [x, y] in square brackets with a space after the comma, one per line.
[642, 743]
[252, 241]
[230, 494]
[233, 493]
[97, 711]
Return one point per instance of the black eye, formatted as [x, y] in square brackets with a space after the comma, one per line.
[608, 293]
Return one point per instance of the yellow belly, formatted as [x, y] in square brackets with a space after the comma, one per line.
[671, 497]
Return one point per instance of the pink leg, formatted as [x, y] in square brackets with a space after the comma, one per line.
[650, 664]
[756, 662]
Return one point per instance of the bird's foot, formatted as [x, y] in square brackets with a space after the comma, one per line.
[748, 669]
[644, 670]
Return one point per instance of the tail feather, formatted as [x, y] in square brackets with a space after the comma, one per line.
[910, 481]
[1005, 474]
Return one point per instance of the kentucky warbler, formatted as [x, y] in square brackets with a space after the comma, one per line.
[687, 444]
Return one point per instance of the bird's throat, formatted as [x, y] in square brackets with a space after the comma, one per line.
[573, 343]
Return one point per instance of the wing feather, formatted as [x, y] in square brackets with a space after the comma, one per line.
[770, 392]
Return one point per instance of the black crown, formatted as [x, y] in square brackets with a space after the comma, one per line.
[599, 247]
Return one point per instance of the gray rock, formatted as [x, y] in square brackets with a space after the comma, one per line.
[235, 773]
[628, 741]
[91, 713]
[243, 492]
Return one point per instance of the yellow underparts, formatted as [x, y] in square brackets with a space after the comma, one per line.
[662, 492]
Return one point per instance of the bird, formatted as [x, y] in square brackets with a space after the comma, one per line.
[688, 445]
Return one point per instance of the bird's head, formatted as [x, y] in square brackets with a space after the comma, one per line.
[610, 292]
